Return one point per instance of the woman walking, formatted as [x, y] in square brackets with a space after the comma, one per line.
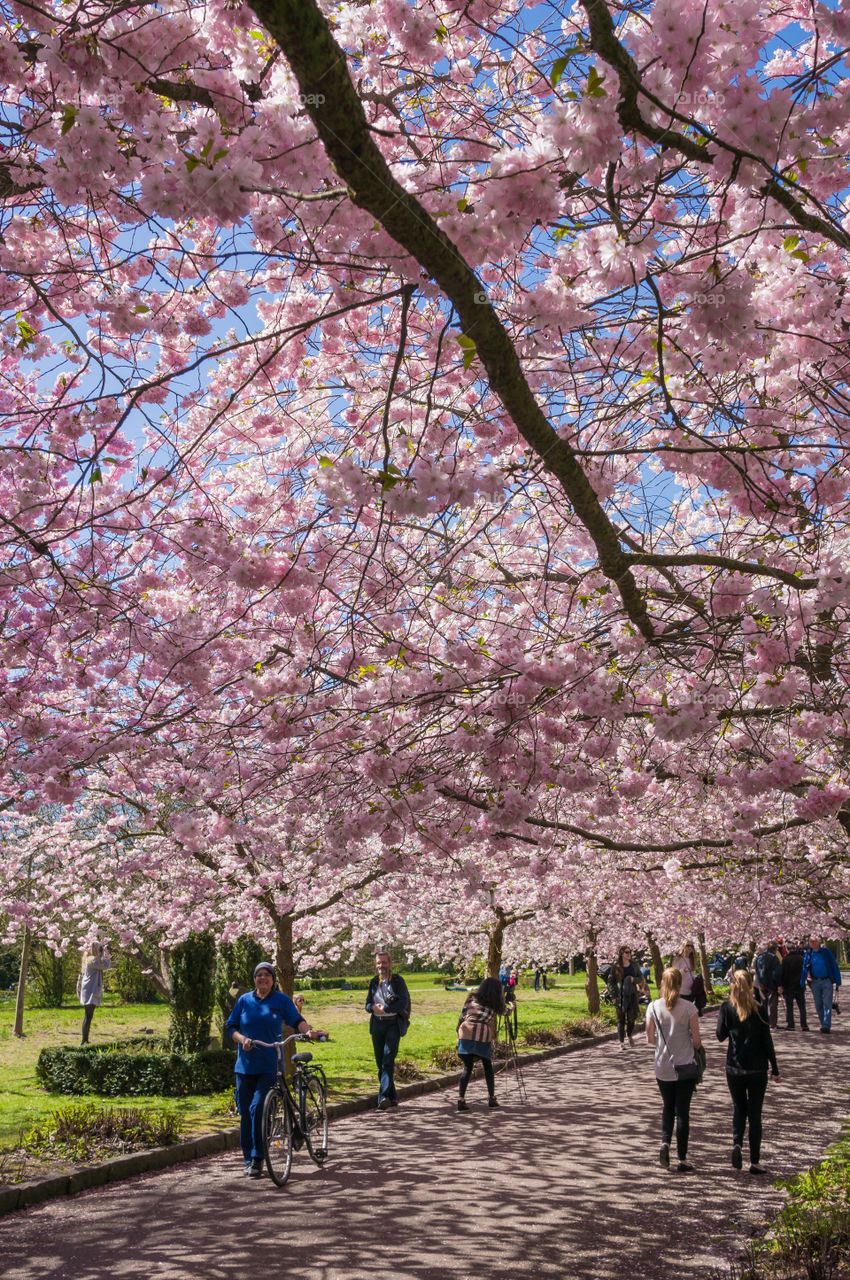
[475, 1029]
[672, 1026]
[90, 984]
[744, 1023]
[625, 982]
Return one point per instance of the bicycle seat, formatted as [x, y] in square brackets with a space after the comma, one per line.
[302, 1057]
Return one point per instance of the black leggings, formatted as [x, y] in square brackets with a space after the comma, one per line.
[469, 1060]
[747, 1102]
[626, 1022]
[88, 1014]
[677, 1096]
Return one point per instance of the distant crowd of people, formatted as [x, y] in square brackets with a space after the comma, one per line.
[745, 1020]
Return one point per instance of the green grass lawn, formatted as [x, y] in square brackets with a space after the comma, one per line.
[347, 1058]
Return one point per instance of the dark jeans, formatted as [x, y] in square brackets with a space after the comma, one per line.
[626, 1023]
[251, 1093]
[677, 1096]
[88, 1014]
[747, 1102]
[385, 1040]
[795, 997]
[468, 1061]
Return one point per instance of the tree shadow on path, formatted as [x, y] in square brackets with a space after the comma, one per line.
[566, 1185]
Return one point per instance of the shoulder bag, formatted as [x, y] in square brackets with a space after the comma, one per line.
[689, 1070]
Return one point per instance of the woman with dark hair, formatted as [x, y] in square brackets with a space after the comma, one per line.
[625, 982]
[475, 1030]
[260, 1015]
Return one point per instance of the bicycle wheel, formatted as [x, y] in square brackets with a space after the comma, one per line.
[277, 1136]
[314, 1117]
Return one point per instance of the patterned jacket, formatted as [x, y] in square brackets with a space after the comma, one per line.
[476, 1022]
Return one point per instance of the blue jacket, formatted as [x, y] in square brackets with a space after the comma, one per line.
[820, 964]
[263, 1020]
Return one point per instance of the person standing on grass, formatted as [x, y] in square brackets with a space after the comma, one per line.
[90, 984]
[388, 1003]
[821, 971]
[672, 1027]
[625, 983]
[475, 1033]
[745, 1025]
[260, 1014]
[791, 989]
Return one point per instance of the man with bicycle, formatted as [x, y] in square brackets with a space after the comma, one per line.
[388, 1003]
[259, 1015]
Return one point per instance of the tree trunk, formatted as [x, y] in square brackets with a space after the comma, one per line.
[160, 978]
[284, 957]
[703, 964]
[22, 983]
[591, 986]
[657, 961]
[572, 966]
[494, 947]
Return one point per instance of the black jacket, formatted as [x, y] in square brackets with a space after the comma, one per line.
[399, 1002]
[792, 969]
[750, 1049]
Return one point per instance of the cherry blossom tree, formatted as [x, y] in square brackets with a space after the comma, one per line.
[427, 425]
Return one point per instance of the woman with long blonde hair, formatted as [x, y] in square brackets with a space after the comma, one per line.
[744, 1024]
[672, 1026]
[90, 983]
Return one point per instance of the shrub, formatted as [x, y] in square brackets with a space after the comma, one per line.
[333, 984]
[542, 1037]
[10, 964]
[50, 977]
[112, 1070]
[85, 1130]
[235, 963]
[126, 978]
[192, 969]
[406, 1071]
[445, 1059]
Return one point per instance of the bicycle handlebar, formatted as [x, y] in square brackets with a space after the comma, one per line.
[279, 1044]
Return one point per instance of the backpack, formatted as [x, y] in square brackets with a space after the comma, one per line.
[767, 966]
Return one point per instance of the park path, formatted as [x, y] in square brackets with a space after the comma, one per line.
[565, 1186]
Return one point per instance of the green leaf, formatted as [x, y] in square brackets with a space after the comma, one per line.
[593, 88]
[141, 310]
[467, 345]
[69, 115]
[801, 255]
[26, 332]
[559, 66]
[96, 476]
[192, 163]
[462, 204]
[325, 462]
[441, 31]
[790, 242]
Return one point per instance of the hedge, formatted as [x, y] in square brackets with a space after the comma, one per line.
[111, 1071]
[332, 984]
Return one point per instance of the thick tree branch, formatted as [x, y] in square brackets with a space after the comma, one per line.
[320, 68]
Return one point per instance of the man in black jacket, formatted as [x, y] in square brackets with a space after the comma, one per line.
[794, 992]
[769, 980]
[388, 1002]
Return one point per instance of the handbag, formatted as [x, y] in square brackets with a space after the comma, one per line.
[688, 1070]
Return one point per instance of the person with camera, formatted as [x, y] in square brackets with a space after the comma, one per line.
[90, 984]
[388, 1004]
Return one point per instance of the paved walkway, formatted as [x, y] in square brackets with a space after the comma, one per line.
[566, 1186]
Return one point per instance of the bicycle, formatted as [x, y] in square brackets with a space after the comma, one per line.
[294, 1115]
